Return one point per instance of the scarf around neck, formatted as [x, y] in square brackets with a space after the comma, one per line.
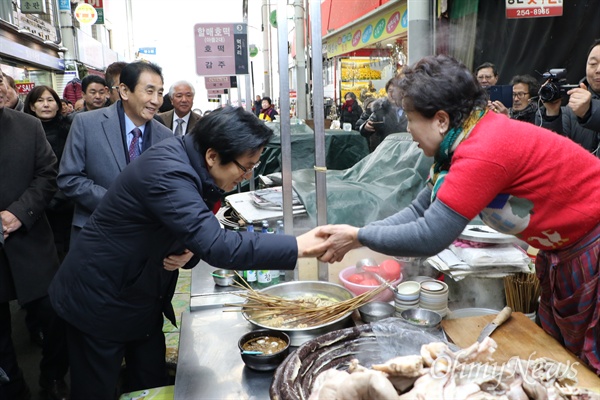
[443, 157]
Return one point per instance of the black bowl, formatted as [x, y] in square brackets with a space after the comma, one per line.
[260, 362]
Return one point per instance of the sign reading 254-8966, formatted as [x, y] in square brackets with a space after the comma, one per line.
[221, 49]
[533, 8]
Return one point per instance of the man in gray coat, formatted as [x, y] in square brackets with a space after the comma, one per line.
[102, 142]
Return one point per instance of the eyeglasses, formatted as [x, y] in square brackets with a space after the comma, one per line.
[487, 77]
[115, 87]
[519, 95]
[244, 169]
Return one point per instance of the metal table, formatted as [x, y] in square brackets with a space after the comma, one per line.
[210, 365]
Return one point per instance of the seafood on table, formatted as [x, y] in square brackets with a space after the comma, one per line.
[440, 373]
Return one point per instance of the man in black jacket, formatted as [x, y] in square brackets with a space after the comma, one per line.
[579, 120]
[160, 204]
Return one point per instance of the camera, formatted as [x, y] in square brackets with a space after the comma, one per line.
[555, 86]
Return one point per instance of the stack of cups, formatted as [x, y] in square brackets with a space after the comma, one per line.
[407, 296]
[434, 297]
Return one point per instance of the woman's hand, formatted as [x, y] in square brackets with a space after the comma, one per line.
[340, 240]
[176, 261]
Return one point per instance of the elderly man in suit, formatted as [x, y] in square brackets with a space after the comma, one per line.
[28, 259]
[102, 142]
[181, 119]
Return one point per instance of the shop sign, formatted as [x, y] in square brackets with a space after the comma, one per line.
[147, 50]
[214, 92]
[33, 6]
[220, 82]
[99, 7]
[64, 5]
[373, 30]
[32, 56]
[533, 8]
[24, 87]
[221, 49]
[86, 14]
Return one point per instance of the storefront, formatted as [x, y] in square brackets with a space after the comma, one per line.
[363, 56]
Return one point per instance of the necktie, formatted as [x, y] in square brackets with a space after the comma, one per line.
[134, 148]
[178, 128]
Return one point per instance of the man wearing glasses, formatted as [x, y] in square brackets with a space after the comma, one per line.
[524, 96]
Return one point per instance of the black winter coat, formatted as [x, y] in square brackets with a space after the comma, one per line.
[27, 184]
[386, 114]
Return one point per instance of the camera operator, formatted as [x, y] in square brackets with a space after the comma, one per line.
[579, 120]
[387, 117]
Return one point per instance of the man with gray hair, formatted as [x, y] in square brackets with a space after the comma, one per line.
[181, 119]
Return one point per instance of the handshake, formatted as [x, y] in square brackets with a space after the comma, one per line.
[328, 243]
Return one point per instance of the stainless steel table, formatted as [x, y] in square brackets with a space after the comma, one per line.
[209, 364]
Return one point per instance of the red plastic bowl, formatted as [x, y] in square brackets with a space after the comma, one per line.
[358, 289]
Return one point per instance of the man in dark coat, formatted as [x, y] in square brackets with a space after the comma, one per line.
[28, 259]
[160, 204]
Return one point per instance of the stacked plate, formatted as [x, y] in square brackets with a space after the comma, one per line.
[407, 296]
[434, 297]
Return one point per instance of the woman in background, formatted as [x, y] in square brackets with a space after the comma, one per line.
[351, 110]
[267, 112]
[43, 102]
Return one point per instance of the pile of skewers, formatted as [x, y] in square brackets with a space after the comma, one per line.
[522, 292]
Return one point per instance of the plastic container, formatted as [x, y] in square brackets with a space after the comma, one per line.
[358, 289]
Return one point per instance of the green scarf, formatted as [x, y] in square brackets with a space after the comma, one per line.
[443, 157]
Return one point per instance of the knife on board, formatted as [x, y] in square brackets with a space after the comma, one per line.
[491, 327]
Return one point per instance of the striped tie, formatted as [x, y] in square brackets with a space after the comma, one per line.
[178, 128]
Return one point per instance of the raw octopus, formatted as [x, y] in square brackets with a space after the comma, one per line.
[440, 373]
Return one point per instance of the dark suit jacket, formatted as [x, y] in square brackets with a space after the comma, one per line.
[27, 184]
[167, 118]
[160, 204]
[95, 153]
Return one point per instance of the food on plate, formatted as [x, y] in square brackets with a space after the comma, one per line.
[440, 373]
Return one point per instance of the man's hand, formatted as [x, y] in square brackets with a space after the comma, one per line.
[579, 100]
[498, 107]
[10, 223]
[175, 261]
[340, 240]
[553, 108]
[369, 127]
[310, 244]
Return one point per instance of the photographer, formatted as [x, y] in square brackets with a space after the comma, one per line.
[387, 117]
[579, 120]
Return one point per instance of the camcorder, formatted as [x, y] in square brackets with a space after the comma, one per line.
[555, 86]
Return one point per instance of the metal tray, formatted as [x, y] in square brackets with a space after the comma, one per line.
[298, 288]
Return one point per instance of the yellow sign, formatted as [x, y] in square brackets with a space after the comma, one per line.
[373, 30]
[86, 14]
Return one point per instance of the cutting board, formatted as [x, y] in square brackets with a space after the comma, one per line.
[519, 336]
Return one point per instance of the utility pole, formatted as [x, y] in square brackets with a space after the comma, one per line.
[301, 95]
[266, 48]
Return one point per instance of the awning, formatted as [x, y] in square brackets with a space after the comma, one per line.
[391, 22]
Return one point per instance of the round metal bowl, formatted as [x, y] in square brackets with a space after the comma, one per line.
[296, 289]
[375, 311]
[422, 318]
[223, 277]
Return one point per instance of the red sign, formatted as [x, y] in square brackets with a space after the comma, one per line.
[95, 3]
[24, 88]
[533, 8]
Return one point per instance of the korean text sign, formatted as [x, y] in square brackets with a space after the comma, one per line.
[221, 49]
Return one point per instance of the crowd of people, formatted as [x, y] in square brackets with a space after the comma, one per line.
[100, 206]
